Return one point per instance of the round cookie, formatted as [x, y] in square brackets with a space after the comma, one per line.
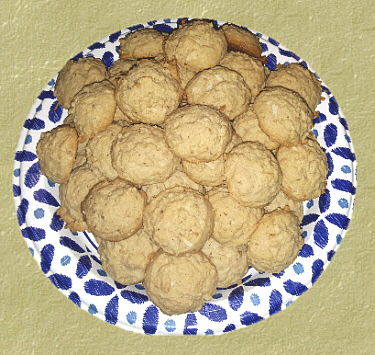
[299, 79]
[75, 75]
[196, 45]
[197, 133]
[120, 68]
[283, 115]
[282, 201]
[148, 93]
[93, 109]
[98, 151]
[180, 284]
[143, 43]
[230, 262]
[234, 223]
[125, 261]
[179, 220]
[114, 210]
[305, 170]
[141, 155]
[222, 88]
[72, 194]
[251, 69]
[56, 151]
[276, 242]
[253, 174]
[247, 127]
[81, 155]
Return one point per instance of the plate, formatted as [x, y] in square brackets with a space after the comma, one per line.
[71, 262]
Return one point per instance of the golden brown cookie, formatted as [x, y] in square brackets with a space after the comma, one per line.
[121, 119]
[75, 75]
[276, 242]
[81, 155]
[120, 68]
[56, 151]
[222, 88]
[179, 220]
[305, 170]
[180, 284]
[282, 201]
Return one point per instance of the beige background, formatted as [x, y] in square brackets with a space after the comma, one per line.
[337, 38]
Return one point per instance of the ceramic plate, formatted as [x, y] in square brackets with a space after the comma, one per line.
[72, 264]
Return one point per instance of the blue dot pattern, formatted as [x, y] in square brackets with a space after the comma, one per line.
[70, 260]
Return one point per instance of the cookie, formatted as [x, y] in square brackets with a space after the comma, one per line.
[141, 155]
[81, 155]
[197, 133]
[75, 75]
[125, 261]
[299, 79]
[121, 119]
[234, 223]
[120, 68]
[253, 174]
[98, 151]
[276, 242]
[222, 88]
[180, 284]
[230, 262]
[56, 151]
[148, 93]
[283, 115]
[72, 194]
[305, 170]
[143, 43]
[247, 127]
[282, 201]
[114, 210]
[196, 45]
[251, 69]
[179, 220]
[93, 109]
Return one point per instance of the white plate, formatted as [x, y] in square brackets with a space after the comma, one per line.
[71, 261]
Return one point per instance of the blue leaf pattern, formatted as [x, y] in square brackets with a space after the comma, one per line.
[46, 197]
[235, 298]
[83, 266]
[330, 134]
[324, 201]
[261, 281]
[134, 297]
[150, 320]
[56, 223]
[22, 211]
[343, 185]
[74, 297]
[339, 220]
[249, 318]
[111, 311]
[33, 233]
[25, 156]
[191, 323]
[62, 282]
[32, 175]
[294, 288]
[98, 288]
[320, 234]
[276, 301]
[306, 251]
[317, 269]
[213, 312]
[309, 218]
[71, 244]
[344, 152]
[47, 254]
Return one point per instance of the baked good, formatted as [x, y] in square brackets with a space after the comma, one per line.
[148, 93]
[197, 133]
[141, 155]
[230, 262]
[81, 155]
[120, 68]
[75, 75]
[234, 223]
[222, 88]
[196, 45]
[56, 151]
[93, 109]
[282, 201]
[121, 119]
[180, 284]
[276, 242]
[283, 115]
[125, 261]
[179, 220]
[253, 174]
[304, 169]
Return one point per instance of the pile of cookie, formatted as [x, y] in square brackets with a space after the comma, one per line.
[188, 160]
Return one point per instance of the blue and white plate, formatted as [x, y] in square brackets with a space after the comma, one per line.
[71, 262]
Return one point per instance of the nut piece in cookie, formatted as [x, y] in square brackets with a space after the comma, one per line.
[125, 261]
[196, 45]
[253, 174]
[282, 201]
[197, 133]
[93, 109]
[304, 169]
[283, 115]
[222, 88]
[114, 210]
[143, 43]
[75, 75]
[141, 155]
[148, 93]
[276, 242]
[180, 284]
[299, 79]
[56, 151]
[230, 262]
[234, 223]
[179, 220]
